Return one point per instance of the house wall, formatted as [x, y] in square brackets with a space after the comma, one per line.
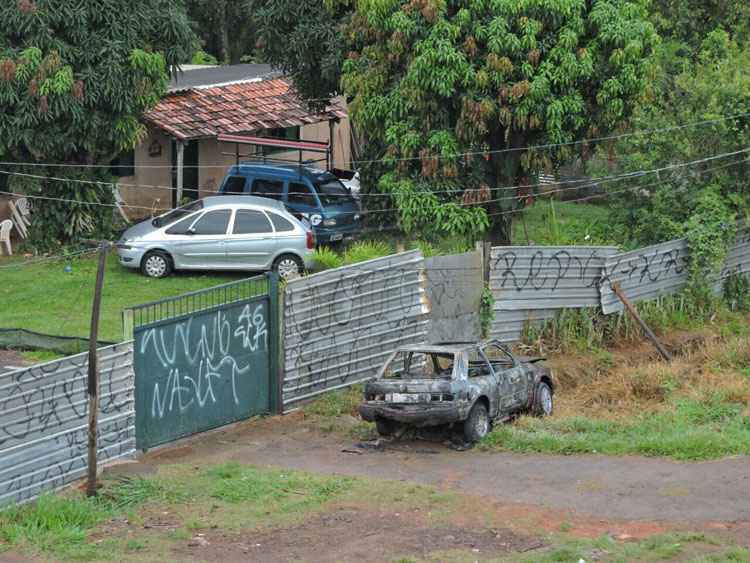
[150, 188]
[142, 192]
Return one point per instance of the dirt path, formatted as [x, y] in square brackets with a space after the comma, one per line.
[612, 488]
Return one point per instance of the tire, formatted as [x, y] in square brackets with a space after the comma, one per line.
[385, 427]
[156, 264]
[288, 266]
[477, 424]
[543, 401]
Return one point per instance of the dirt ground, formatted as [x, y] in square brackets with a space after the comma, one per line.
[620, 493]
[10, 358]
[351, 534]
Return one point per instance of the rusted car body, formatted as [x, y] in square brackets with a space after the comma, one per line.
[473, 384]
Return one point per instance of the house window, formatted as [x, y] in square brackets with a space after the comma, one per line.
[123, 165]
[288, 133]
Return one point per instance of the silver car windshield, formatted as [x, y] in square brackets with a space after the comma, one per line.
[420, 365]
[177, 214]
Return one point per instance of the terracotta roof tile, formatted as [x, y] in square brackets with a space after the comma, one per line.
[249, 106]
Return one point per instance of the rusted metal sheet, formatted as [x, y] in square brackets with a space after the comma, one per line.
[43, 421]
[531, 283]
[646, 273]
[341, 324]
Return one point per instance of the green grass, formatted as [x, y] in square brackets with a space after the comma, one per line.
[233, 496]
[45, 299]
[337, 403]
[41, 356]
[559, 223]
[663, 547]
[688, 430]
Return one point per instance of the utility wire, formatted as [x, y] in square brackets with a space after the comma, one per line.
[578, 184]
[438, 156]
[354, 266]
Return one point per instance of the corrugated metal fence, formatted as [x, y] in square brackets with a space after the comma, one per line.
[341, 324]
[530, 283]
[662, 269]
[44, 421]
[454, 291]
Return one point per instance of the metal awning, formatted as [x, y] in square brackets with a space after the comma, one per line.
[275, 142]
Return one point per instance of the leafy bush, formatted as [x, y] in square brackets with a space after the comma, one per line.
[366, 250]
[327, 259]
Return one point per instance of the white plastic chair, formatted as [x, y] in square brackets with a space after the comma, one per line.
[18, 219]
[24, 208]
[5, 228]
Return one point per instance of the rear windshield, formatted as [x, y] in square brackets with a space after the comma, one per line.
[332, 192]
[420, 365]
[177, 214]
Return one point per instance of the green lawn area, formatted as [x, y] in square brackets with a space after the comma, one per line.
[43, 298]
[560, 223]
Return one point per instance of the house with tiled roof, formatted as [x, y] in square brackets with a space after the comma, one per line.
[210, 118]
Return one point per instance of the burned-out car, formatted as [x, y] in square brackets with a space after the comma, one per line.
[472, 384]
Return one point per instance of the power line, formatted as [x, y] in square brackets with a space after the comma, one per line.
[578, 184]
[437, 156]
[616, 178]
[509, 212]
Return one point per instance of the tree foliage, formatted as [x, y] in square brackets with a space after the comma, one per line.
[690, 21]
[305, 39]
[700, 202]
[431, 79]
[75, 79]
[226, 29]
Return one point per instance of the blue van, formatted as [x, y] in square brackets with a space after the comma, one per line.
[307, 192]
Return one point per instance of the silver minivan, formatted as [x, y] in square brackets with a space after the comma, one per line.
[220, 233]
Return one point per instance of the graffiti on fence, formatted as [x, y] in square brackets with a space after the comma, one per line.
[454, 290]
[43, 421]
[545, 269]
[340, 325]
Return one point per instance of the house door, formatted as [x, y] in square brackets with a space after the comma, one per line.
[189, 172]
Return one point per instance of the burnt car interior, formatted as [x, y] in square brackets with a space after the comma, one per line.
[418, 365]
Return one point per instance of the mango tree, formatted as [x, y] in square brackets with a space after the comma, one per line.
[75, 79]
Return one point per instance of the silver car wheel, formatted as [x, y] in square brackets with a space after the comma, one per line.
[482, 424]
[288, 268]
[545, 399]
[156, 266]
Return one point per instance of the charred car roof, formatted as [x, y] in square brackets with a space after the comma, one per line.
[447, 348]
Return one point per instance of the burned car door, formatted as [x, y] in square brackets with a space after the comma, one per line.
[512, 378]
[483, 379]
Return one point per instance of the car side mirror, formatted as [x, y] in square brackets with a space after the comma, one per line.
[190, 231]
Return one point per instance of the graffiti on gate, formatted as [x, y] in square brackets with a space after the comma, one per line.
[202, 371]
[546, 269]
[193, 366]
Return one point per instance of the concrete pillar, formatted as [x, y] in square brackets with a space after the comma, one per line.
[180, 171]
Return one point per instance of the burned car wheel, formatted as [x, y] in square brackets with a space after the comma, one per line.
[543, 402]
[386, 427]
[477, 424]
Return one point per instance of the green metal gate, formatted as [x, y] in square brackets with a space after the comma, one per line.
[205, 359]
